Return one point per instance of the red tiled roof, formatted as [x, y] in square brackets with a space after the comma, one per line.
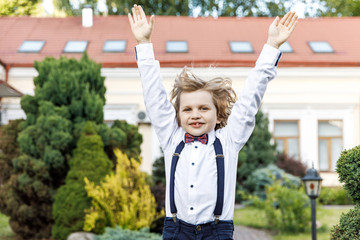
[208, 40]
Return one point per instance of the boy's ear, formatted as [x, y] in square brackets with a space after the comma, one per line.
[218, 120]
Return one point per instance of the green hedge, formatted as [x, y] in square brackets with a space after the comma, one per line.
[349, 226]
[125, 234]
[334, 196]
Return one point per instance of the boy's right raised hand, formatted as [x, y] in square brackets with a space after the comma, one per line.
[140, 27]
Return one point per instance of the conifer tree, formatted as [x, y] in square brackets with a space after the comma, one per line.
[67, 93]
[122, 199]
[89, 160]
[257, 153]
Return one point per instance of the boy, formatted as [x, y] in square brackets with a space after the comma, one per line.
[199, 136]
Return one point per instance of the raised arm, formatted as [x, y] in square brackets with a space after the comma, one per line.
[241, 121]
[140, 27]
[280, 30]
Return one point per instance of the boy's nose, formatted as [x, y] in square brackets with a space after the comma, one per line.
[195, 115]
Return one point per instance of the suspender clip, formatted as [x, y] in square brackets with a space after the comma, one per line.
[220, 156]
[176, 154]
[174, 217]
[217, 219]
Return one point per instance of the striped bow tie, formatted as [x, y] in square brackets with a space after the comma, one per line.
[190, 138]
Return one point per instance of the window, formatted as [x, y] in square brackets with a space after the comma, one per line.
[75, 46]
[330, 143]
[286, 134]
[114, 46]
[241, 47]
[31, 46]
[177, 47]
[286, 48]
[321, 47]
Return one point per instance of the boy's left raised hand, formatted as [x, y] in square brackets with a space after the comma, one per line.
[280, 30]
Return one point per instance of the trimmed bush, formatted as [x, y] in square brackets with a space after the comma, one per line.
[349, 226]
[348, 168]
[123, 198]
[124, 234]
[334, 196]
[90, 161]
[259, 179]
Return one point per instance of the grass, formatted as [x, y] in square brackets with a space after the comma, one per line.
[252, 217]
[5, 231]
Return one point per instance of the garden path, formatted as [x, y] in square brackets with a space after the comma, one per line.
[245, 233]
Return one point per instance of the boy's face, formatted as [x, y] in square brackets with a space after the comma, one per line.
[197, 112]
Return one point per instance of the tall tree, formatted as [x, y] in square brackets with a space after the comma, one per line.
[20, 7]
[243, 8]
[122, 7]
[340, 8]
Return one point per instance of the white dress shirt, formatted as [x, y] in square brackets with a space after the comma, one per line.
[196, 172]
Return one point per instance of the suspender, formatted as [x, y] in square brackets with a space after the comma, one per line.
[220, 178]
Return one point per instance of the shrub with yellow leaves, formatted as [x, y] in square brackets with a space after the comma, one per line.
[122, 199]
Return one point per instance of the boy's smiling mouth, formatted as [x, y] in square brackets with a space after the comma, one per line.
[196, 124]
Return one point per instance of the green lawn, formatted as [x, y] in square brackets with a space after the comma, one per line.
[327, 217]
[5, 230]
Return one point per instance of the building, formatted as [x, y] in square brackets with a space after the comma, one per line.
[313, 105]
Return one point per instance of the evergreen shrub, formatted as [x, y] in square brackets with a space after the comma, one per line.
[123, 198]
[349, 226]
[260, 178]
[89, 160]
[258, 152]
[348, 168]
[119, 233]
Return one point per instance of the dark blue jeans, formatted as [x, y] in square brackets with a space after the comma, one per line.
[209, 231]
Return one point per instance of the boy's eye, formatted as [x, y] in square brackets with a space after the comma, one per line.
[204, 108]
[187, 109]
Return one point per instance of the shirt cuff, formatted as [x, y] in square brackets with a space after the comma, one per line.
[270, 55]
[144, 52]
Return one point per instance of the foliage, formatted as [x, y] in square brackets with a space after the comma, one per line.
[257, 153]
[334, 196]
[349, 172]
[122, 7]
[119, 233]
[348, 228]
[158, 170]
[67, 93]
[122, 199]
[244, 8]
[286, 208]
[261, 178]
[291, 165]
[9, 148]
[20, 7]
[89, 160]
[339, 8]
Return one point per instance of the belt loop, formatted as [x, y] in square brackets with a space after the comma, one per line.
[217, 219]
[174, 217]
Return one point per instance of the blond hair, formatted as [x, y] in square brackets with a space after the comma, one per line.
[222, 93]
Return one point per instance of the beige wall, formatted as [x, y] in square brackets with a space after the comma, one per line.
[305, 94]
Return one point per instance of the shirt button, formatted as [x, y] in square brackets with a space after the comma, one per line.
[193, 164]
[191, 208]
[191, 186]
[196, 146]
